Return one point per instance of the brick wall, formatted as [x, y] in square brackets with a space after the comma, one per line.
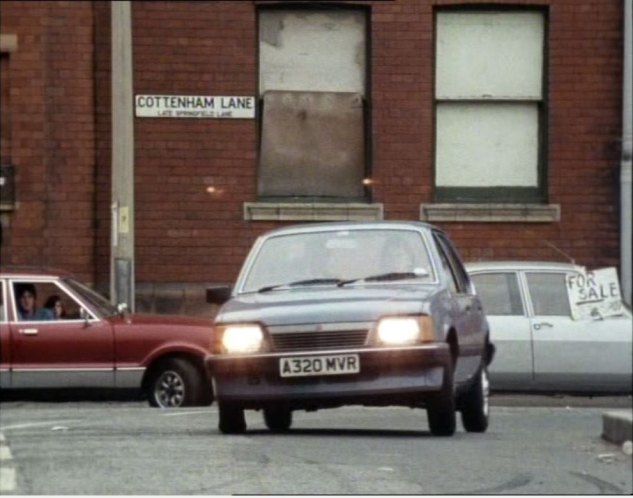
[188, 236]
[584, 129]
[183, 233]
[51, 107]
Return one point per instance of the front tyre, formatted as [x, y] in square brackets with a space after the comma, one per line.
[278, 418]
[175, 382]
[440, 409]
[475, 405]
[231, 418]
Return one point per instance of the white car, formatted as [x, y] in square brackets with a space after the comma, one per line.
[539, 347]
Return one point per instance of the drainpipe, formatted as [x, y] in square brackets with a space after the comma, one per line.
[627, 153]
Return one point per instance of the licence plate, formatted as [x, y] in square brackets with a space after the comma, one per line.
[303, 366]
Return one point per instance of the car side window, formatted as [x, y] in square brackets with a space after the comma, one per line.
[452, 264]
[44, 301]
[548, 292]
[499, 293]
[452, 284]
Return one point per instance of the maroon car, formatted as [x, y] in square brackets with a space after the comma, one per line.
[82, 341]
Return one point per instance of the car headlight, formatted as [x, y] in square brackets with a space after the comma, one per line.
[402, 331]
[242, 338]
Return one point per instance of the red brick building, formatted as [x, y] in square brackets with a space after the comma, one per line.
[499, 121]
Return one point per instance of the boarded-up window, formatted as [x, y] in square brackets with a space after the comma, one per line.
[487, 145]
[312, 144]
[312, 97]
[489, 105]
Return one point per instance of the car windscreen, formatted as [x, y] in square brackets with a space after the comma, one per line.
[329, 257]
[94, 299]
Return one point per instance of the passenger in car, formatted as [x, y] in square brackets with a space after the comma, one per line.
[397, 257]
[26, 304]
[54, 304]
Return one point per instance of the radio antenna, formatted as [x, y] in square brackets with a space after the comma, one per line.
[560, 251]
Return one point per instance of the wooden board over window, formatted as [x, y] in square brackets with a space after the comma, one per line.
[312, 145]
[315, 50]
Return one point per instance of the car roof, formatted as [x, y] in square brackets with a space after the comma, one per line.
[32, 271]
[351, 225]
[522, 265]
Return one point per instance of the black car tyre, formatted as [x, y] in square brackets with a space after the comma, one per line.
[440, 409]
[475, 406]
[231, 418]
[278, 418]
[176, 382]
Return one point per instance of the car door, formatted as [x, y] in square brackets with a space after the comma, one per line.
[510, 329]
[74, 351]
[469, 318]
[577, 355]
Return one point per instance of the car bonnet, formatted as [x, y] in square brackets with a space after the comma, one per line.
[327, 304]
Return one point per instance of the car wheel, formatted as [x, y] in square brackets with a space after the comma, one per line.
[175, 382]
[278, 418]
[475, 403]
[440, 409]
[232, 420]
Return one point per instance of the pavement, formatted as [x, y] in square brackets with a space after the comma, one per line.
[617, 426]
[617, 419]
[7, 469]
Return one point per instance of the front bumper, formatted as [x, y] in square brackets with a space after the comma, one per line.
[388, 376]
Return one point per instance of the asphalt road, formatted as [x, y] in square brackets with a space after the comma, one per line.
[535, 445]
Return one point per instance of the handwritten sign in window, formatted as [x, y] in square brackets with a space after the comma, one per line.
[594, 294]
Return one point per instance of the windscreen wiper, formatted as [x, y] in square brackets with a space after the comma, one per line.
[388, 277]
[311, 281]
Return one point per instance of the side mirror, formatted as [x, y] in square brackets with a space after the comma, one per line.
[219, 294]
[122, 308]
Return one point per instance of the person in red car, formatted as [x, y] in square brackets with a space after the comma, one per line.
[54, 303]
[27, 304]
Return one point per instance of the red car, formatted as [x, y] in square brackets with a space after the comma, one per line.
[82, 341]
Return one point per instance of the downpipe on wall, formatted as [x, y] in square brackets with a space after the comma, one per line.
[627, 156]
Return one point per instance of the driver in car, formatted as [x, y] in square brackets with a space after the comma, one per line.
[27, 304]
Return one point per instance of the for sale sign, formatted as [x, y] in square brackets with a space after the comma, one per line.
[594, 294]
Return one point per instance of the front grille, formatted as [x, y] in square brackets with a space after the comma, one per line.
[308, 341]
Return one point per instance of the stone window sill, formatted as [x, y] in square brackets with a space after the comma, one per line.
[487, 213]
[312, 211]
